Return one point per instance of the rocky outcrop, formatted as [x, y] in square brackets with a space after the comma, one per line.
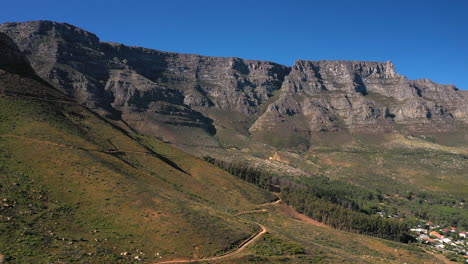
[155, 91]
[18, 78]
[363, 97]
[12, 59]
[76, 62]
[230, 84]
[66, 56]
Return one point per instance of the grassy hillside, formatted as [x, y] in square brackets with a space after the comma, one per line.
[392, 163]
[406, 160]
[323, 244]
[412, 176]
[77, 189]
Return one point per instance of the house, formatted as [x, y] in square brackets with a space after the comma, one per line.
[462, 234]
[423, 237]
[445, 230]
[426, 238]
[453, 229]
[447, 240]
[436, 234]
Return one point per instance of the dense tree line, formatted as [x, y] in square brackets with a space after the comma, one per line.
[255, 176]
[342, 193]
[334, 203]
[443, 213]
[338, 192]
[360, 203]
[345, 219]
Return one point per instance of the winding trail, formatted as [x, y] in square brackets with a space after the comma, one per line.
[272, 203]
[283, 209]
[241, 246]
[277, 201]
[228, 254]
[232, 253]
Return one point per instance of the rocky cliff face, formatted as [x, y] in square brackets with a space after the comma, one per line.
[12, 59]
[76, 62]
[362, 97]
[18, 78]
[163, 92]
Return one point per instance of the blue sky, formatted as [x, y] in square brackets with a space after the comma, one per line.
[424, 39]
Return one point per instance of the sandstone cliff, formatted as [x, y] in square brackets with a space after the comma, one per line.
[362, 97]
[11, 59]
[166, 93]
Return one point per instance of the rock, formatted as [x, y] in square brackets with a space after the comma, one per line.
[363, 97]
[12, 59]
[185, 97]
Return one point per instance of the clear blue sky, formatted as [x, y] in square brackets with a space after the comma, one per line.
[424, 39]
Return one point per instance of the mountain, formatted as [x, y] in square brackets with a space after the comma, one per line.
[85, 179]
[193, 99]
[75, 187]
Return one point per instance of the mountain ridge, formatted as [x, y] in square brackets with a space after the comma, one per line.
[77, 188]
[66, 171]
[194, 54]
[216, 98]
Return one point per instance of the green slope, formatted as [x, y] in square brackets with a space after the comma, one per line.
[76, 188]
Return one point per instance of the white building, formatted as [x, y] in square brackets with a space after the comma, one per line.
[419, 230]
[447, 240]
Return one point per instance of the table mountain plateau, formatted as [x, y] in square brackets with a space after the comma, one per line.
[191, 98]
[84, 177]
